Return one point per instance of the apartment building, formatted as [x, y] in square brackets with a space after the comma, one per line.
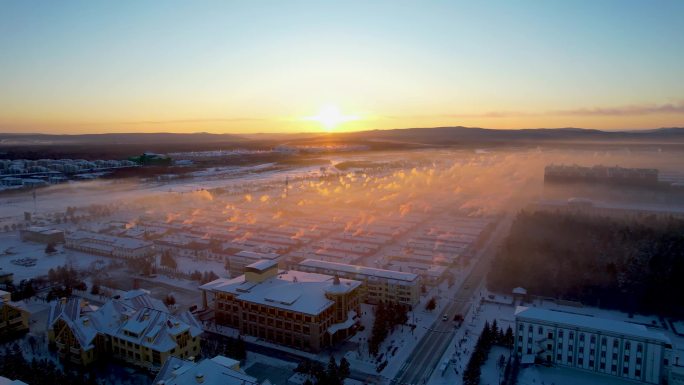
[134, 328]
[304, 310]
[14, 317]
[107, 245]
[378, 285]
[598, 345]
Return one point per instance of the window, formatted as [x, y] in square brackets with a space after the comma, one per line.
[521, 327]
[613, 368]
[637, 373]
[529, 350]
[560, 334]
[625, 370]
[540, 330]
[581, 349]
[580, 361]
[628, 345]
[615, 343]
[571, 335]
[603, 354]
[591, 363]
[519, 338]
[569, 359]
[560, 346]
[640, 348]
[559, 357]
[581, 337]
[603, 366]
[593, 339]
[529, 329]
[638, 360]
[550, 336]
[603, 341]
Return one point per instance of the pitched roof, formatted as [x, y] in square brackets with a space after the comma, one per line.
[216, 371]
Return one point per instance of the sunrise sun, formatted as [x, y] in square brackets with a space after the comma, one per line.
[330, 117]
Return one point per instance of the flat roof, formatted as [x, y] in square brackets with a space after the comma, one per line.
[289, 290]
[588, 322]
[262, 264]
[356, 269]
[256, 255]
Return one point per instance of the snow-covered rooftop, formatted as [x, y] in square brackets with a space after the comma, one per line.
[290, 290]
[219, 370]
[134, 317]
[362, 270]
[589, 322]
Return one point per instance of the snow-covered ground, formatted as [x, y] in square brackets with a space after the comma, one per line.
[541, 375]
[12, 248]
[498, 307]
[463, 342]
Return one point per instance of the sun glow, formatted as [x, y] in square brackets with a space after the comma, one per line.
[330, 117]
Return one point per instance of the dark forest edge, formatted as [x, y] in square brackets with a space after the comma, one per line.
[630, 264]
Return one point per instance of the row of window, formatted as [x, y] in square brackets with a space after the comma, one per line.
[571, 335]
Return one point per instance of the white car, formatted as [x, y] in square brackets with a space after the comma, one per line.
[445, 318]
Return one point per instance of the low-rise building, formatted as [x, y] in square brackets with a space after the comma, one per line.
[238, 261]
[107, 245]
[304, 310]
[42, 235]
[379, 285]
[594, 344]
[219, 370]
[134, 328]
[14, 317]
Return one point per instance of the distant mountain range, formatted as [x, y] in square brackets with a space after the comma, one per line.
[434, 136]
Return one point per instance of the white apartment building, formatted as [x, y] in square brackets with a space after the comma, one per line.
[593, 344]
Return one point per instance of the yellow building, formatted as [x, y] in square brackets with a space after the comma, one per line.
[14, 318]
[378, 285]
[134, 328]
[303, 310]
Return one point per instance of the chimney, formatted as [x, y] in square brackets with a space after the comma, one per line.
[63, 300]
[199, 377]
[336, 281]
[86, 321]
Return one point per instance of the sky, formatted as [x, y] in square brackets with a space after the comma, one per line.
[277, 66]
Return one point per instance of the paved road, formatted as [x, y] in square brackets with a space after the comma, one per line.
[425, 357]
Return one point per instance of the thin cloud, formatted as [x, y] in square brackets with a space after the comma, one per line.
[644, 109]
[206, 120]
[630, 110]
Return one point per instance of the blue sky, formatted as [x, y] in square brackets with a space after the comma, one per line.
[93, 66]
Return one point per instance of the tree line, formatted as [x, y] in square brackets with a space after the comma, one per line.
[633, 264]
[491, 335]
